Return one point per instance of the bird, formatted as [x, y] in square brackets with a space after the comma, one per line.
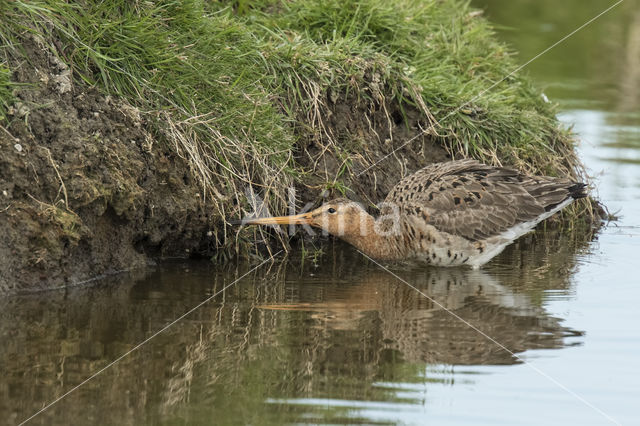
[455, 213]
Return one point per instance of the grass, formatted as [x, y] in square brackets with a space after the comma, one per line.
[6, 94]
[234, 86]
[443, 56]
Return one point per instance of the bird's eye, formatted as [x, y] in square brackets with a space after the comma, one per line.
[331, 210]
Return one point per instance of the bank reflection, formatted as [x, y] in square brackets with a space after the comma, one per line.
[289, 331]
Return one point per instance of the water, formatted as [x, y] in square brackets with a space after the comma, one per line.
[346, 342]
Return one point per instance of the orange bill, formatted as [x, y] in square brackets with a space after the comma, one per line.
[299, 219]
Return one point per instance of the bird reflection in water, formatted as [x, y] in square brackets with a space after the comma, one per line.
[440, 320]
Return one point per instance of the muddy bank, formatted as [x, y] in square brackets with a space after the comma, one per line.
[85, 188]
[88, 189]
[130, 134]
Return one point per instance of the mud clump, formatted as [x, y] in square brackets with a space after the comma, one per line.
[84, 188]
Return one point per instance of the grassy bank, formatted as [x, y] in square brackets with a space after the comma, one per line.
[239, 78]
[251, 93]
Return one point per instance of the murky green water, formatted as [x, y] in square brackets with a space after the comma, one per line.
[347, 342]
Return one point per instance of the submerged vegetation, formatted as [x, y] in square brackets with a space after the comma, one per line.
[261, 93]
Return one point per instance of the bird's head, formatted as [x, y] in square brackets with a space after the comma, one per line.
[340, 217]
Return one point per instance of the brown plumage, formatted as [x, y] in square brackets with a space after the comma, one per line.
[446, 214]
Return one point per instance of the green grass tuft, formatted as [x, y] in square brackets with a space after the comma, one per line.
[451, 56]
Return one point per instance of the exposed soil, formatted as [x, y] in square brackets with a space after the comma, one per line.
[380, 143]
[86, 189]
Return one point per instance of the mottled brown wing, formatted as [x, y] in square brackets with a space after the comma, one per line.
[467, 198]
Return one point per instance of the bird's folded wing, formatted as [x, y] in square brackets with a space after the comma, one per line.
[473, 201]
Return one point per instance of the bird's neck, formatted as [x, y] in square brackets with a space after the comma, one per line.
[375, 242]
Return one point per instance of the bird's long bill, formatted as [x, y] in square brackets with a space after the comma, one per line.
[299, 219]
